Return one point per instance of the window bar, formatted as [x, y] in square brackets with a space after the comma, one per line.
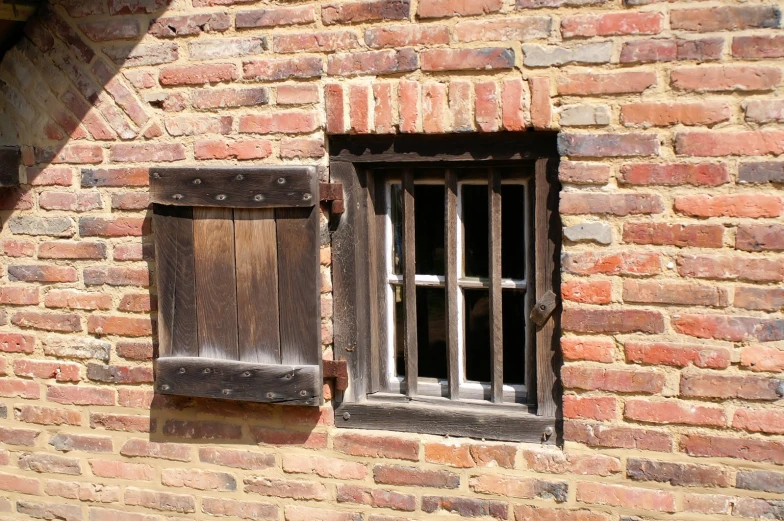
[494, 265]
[409, 284]
[450, 222]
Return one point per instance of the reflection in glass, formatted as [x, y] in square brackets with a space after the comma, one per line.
[513, 309]
[396, 214]
[429, 229]
[431, 332]
[477, 334]
[512, 232]
[475, 226]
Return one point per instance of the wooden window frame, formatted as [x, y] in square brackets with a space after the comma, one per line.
[358, 261]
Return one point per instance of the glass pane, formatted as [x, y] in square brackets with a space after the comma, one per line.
[477, 334]
[475, 224]
[429, 229]
[399, 310]
[431, 332]
[396, 214]
[512, 232]
[513, 309]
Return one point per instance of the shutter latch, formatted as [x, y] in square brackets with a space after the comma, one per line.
[338, 370]
[543, 308]
[332, 193]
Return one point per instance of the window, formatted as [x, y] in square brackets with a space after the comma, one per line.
[238, 283]
[445, 269]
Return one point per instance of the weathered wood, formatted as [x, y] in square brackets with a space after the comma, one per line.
[16, 12]
[256, 248]
[216, 285]
[374, 244]
[173, 236]
[401, 148]
[346, 251]
[481, 421]
[409, 285]
[547, 233]
[452, 293]
[257, 187]
[494, 267]
[379, 278]
[10, 159]
[299, 285]
[211, 378]
[543, 308]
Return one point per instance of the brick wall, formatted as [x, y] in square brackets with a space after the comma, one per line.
[671, 124]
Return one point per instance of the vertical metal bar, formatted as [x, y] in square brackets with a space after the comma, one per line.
[494, 265]
[452, 303]
[409, 284]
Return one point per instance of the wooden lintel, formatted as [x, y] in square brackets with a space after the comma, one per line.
[16, 12]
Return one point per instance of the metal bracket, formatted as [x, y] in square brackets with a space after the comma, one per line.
[543, 308]
[332, 193]
[337, 369]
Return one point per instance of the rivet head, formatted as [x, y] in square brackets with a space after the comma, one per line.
[207, 370]
[303, 392]
[156, 175]
[197, 181]
[347, 416]
[246, 373]
[258, 197]
[164, 387]
[306, 197]
[220, 197]
[226, 391]
[239, 177]
[177, 197]
[270, 395]
[281, 180]
[182, 370]
[289, 376]
[548, 431]
[542, 307]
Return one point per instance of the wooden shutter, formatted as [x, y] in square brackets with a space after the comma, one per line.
[237, 254]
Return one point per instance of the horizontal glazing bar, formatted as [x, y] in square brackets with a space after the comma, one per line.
[465, 282]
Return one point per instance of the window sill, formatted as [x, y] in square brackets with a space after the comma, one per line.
[486, 421]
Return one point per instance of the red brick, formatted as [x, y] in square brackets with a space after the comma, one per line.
[275, 17]
[139, 153]
[590, 407]
[486, 106]
[612, 321]
[367, 11]
[236, 458]
[611, 24]
[376, 446]
[359, 108]
[484, 59]
[283, 122]
[519, 487]
[121, 422]
[725, 18]
[614, 204]
[16, 199]
[60, 371]
[414, 477]
[531, 513]
[760, 237]
[47, 415]
[553, 461]
[587, 292]
[512, 105]
[732, 205]
[282, 69]
[434, 108]
[376, 497]
[79, 154]
[677, 293]
[130, 201]
[388, 61]
[677, 474]
[444, 8]
[301, 513]
[24, 437]
[761, 358]
[122, 470]
[673, 411]
[80, 395]
[333, 94]
[465, 507]
[135, 350]
[75, 299]
[19, 296]
[198, 479]
[612, 263]
[678, 355]
[119, 227]
[460, 106]
[764, 450]
[148, 449]
[667, 114]
[758, 47]
[279, 437]
[82, 491]
[48, 463]
[327, 41]
[79, 202]
[242, 150]
[406, 35]
[697, 174]
[202, 430]
[42, 273]
[729, 328]
[296, 94]
[119, 374]
[588, 348]
[591, 84]
[138, 398]
[725, 78]
[105, 514]
[68, 442]
[730, 386]
[583, 173]
[408, 104]
[241, 509]
[122, 326]
[730, 267]
[115, 177]
[301, 147]
[50, 176]
[137, 303]
[11, 483]
[699, 235]
[451, 455]
[48, 321]
[19, 388]
[160, 500]
[177, 75]
[112, 276]
[618, 380]
[624, 496]
[708, 503]
[17, 248]
[764, 111]
[756, 420]
[608, 145]
[286, 488]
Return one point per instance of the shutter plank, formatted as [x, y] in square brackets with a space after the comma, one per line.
[257, 285]
[450, 218]
[173, 235]
[298, 285]
[496, 320]
[409, 285]
[216, 286]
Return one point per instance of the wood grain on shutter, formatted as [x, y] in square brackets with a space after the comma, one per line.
[257, 285]
[298, 285]
[173, 235]
[494, 266]
[378, 277]
[547, 231]
[216, 285]
[235, 187]
[372, 289]
[450, 223]
[409, 285]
